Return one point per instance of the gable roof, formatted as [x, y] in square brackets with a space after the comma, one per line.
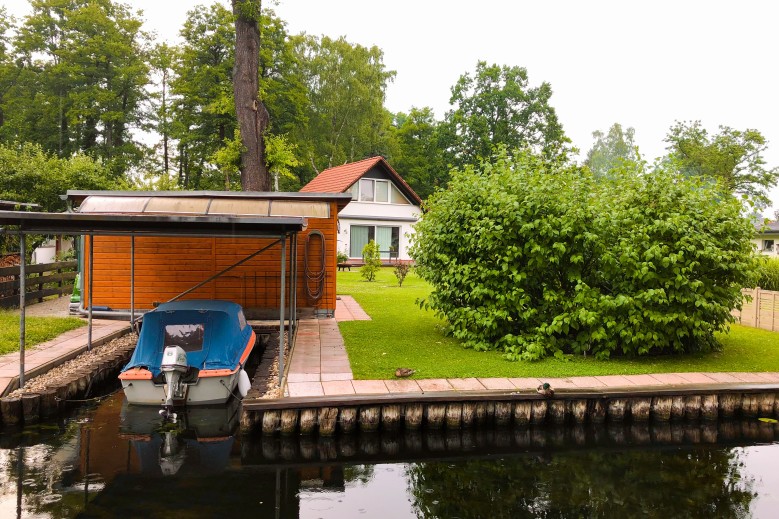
[340, 178]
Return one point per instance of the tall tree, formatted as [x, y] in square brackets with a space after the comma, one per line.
[732, 157]
[7, 69]
[346, 84]
[496, 106]
[252, 115]
[417, 157]
[610, 150]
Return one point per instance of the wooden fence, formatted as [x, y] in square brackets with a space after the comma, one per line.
[762, 311]
[45, 279]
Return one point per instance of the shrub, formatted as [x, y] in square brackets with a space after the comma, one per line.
[767, 276]
[341, 257]
[401, 271]
[372, 259]
[538, 259]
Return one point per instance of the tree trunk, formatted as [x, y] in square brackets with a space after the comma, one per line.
[252, 116]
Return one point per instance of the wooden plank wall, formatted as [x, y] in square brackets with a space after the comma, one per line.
[167, 266]
[762, 311]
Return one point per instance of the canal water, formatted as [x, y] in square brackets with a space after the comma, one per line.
[110, 460]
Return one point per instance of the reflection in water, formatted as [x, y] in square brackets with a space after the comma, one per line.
[112, 460]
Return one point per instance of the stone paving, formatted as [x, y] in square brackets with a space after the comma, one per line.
[44, 356]
[320, 367]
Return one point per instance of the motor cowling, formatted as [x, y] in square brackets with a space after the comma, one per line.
[174, 358]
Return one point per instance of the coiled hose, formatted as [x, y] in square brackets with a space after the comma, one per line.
[318, 277]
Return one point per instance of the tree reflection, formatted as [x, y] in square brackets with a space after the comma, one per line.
[679, 482]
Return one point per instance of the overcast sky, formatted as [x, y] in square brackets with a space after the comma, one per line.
[642, 64]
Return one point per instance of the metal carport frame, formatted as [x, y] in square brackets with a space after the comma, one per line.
[283, 228]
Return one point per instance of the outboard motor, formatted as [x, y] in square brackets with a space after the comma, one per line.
[174, 366]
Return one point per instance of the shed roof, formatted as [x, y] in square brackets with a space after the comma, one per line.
[340, 178]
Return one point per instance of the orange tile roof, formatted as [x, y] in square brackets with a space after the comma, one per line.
[339, 178]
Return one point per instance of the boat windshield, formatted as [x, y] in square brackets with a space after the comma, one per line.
[188, 336]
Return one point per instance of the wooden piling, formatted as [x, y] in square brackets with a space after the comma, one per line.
[11, 407]
[598, 411]
[413, 415]
[271, 421]
[469, 414]
[370, 418]
[327, 419]
[348, 419]
[390, 417]
[556, 410]
[728, 404]
[480, 413]
[31, 408]
[766, 404]
[454, 415]
[749, 405]
[616, 409]
[308, 421]
[538, 411]
[49, 404]
[661, 408]
[640, 408]
[579, 411]
[692, 407]
[709, 407]
[677, 408]
[289, 421]
[522, 410]
[502, 413]
[434, 416]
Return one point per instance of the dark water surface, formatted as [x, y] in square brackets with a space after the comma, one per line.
[111, 460]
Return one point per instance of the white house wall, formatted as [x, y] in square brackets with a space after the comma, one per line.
[378, 214]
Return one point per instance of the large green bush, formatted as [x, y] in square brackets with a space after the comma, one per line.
[767, 276]
[537, 259]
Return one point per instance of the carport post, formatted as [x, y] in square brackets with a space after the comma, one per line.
[291, 284]
[91, 284]
[22, 302]
[282, 342]
[132, 282]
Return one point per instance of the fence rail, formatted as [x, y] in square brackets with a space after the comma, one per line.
[762, 311]
[42, 280]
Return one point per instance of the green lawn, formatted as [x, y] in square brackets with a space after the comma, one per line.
[37, 329]
[403, 335]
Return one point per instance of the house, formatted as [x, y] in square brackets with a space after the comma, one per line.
[383, 208]
[766, 238]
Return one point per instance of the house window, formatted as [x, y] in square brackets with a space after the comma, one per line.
[376, 190]
[768, 245]
[388, 239]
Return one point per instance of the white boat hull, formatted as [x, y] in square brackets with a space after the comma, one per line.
[207, 390]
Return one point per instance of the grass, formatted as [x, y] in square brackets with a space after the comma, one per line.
[401, 334]
[37, 329]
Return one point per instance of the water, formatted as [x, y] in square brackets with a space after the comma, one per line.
[111, 460]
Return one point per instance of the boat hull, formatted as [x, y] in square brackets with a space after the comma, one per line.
[206, 391]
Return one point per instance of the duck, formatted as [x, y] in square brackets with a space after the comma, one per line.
[404, 372]
[545, 389]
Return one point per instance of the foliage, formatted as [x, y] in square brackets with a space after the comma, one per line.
[537, 259]
[341, 256]
[80, 68]
[280, 154]
[417, 155]
[371, 258]
[767, 273]
[37, 329]
[733, 158]
[401, 270]
[612, 149]
[375, 351]
[497, 106]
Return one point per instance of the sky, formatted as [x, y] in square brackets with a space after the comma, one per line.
[644, 64]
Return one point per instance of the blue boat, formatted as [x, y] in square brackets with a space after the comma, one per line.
[189, 353]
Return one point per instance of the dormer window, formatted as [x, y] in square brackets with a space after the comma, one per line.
[378, 191]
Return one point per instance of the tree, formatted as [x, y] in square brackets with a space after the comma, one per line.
[7, 69]
[610, 150]
[345, 114]
[82, 72]
[536, 258]
[496, 106]
[417, 156]
[253, 117]
[371, 258]
[733, 158]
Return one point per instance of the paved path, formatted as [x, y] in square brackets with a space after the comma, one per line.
[44, 356]
[320, 367]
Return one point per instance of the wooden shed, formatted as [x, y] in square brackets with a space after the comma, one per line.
[219, 265]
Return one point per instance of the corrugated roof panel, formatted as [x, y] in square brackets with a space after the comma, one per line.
[239, 207]
[170, 205]
[295, 208]
[111, 204]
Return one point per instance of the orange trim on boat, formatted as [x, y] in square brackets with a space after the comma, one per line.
[205, 373]
[136, 374]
